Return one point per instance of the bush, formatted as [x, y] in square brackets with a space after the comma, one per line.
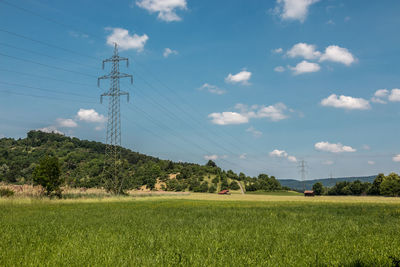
[5, 192]
[234, 185]
[212, 189]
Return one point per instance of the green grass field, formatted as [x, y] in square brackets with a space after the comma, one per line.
[189, 231]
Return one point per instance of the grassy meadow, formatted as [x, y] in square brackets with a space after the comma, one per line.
[200, 230]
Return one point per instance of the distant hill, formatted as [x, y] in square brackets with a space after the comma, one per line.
[328, 182]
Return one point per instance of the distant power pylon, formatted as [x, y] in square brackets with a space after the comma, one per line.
[112, 161]
[302, 166]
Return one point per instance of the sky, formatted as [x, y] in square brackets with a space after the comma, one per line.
[257, 86]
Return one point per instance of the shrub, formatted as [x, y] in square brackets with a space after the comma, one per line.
[212, 189]
[5, 192]
[234, 185]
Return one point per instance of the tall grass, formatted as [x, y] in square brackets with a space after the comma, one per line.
[168, 232]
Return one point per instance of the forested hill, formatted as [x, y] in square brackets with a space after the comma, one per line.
[327, 182]
[82, 162]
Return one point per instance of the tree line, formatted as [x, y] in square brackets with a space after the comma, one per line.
[382, 186]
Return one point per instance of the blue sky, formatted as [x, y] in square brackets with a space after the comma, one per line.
[256, 86]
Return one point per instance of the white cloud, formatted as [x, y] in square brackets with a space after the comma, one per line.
[211, 157]
[67, 123]
[166, 9]
[304, 50]
[51, 129]
[243, 156]
[293, 9]
[366, 147]
[279, 69]
[292, 158]
[278, 153]
[305, 67]
[90, 115]
[226, 118]
[345, 102]
[274, 112]
[337, 54]
[212, 89]
[169, 51]
[242, 77]
[328, 162]
[396, 158]
[126, 41]
[334, 148]
[382, 93]
[370, 162]
[395, 95]
[277, 50]
[253, 131]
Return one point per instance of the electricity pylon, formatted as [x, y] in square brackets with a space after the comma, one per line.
[112, 160]
[302, 166]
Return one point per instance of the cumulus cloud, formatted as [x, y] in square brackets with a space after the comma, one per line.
[371, 162]
[169, 51]
[333, 148]
[279, 69]
[243, 156]
[212, 89]
[126, 41]
[277, 50]
[211, 157]
[50, 129]
[226, 118]
[254, 132]
[395, 95]
[242, 77]
[337, 54]
[90, 115]
[345, 102]
[382, 95]
[293, 9]
[276, 153]
[396, 158]
[166, 9]
[274, 112]
[304, 50]
[305, 67]
[66, 123]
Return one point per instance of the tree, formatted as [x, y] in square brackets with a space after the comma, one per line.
[318, 188]
[375, 188]
[390, 185]
[47, 174]
[234, 185]
[211, 163]
[212, 189]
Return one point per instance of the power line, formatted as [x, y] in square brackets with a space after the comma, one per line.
[46, 65]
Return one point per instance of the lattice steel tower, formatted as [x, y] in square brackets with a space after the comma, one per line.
[112, 163]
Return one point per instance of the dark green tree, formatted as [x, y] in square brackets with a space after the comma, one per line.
[318, 188]
[47, 174]
[234, 185]
[375, 188]
[211, 163]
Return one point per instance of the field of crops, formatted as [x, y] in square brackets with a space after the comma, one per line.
[197, 230]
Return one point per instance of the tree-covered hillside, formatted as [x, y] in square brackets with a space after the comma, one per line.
[82, 161]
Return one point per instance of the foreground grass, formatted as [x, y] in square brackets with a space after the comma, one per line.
[171, 231]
